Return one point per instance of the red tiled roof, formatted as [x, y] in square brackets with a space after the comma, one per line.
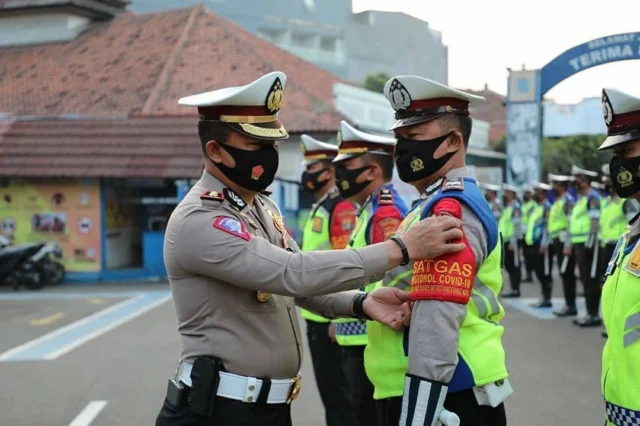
[160, 147]
[142, 64]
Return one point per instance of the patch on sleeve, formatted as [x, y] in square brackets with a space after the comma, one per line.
[448, 278]
[316, 224]
[633, 264]
[456, 184]
[231, 226]
[389, 226]
[343, 220]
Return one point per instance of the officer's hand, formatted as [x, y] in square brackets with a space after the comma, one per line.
[332, 333]
[387, 305]
[566, 252]
[510, 247]
[542, 250]
[432, 237]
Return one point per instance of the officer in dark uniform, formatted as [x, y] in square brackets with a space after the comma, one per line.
[329, 226]
[528, 204]
[509, 227]
[236, 274]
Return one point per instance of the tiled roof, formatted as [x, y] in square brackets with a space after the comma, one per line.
[142, 64]
[159, 147]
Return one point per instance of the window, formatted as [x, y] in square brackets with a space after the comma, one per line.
[328, 44]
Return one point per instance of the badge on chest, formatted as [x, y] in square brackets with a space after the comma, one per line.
[632, 265]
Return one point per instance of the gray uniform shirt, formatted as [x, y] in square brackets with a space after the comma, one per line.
[215, 275]
[435, 325]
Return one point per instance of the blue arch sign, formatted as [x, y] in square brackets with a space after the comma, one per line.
[614, 48]
[526, 89]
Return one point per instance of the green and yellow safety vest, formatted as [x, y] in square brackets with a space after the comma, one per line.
[480, 351]
[535, 226]
[620, 381]
[613, 221]
[316, 237]
[580, 222]
[558, 220]
[527, 209]
[506, 224]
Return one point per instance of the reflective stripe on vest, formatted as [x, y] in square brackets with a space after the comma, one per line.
[580, 223]
[350, 331]
[313, 240]
[558, 221]
[480, 352]
[620, 380]
[613, 222]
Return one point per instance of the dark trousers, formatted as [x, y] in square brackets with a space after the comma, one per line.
[603, 260]
[359, 387]
[542, 267]
[227, 413]
[327, 368]
[510, 258]
[585, 259]
[569, 275]
[462, 403]
[526, 254]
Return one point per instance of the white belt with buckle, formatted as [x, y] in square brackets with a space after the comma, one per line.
[247, 389]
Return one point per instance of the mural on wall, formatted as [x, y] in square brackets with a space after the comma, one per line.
[66, 211]
[523, 149]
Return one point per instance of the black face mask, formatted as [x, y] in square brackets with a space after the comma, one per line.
[624, 175]
[310, 180]
[254, 170]
[526, 198]
[414, 158]
[346, 181]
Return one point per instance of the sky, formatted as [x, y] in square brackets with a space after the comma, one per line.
[485, 37]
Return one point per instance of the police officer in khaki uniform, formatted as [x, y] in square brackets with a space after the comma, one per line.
[235, 272]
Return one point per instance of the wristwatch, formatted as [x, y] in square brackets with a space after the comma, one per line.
[358, 306]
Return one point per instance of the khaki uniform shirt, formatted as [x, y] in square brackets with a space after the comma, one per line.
[215, 275]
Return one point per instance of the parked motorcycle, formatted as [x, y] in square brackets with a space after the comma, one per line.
[31, 265]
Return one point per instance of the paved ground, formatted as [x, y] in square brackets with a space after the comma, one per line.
[102, 354]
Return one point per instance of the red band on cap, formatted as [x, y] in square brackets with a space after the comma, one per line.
[371, 146]
[233, 110]
[327, 152]
[627, 119]
[438, 102]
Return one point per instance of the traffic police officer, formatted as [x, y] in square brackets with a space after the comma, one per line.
[537, 239]
[364, 169]
[621, 293]
[528, 204]
[583, 227]
[235, 271]
[509, 227]
[328, 227]
[491, 195]
[453, 355]
[558, 228]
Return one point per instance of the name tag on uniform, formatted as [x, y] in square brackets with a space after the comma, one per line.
[633, 264]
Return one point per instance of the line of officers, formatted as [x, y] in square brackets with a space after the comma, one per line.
[574, 220]
[413, 302]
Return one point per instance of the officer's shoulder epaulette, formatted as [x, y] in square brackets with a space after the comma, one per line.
[385, 197]
[456, 184]
[212, 196]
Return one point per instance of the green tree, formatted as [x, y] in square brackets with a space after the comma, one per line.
[375, 82]
[501, 145]
[559, 154]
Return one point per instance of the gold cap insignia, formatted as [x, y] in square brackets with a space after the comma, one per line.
[339, 138]
[275, 97]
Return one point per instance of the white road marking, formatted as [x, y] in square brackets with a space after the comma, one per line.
[88, 415]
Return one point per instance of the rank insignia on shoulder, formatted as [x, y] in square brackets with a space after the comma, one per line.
[453, 185]
[385, 197]
[231, 226]
[212, 195]
[234, 199]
